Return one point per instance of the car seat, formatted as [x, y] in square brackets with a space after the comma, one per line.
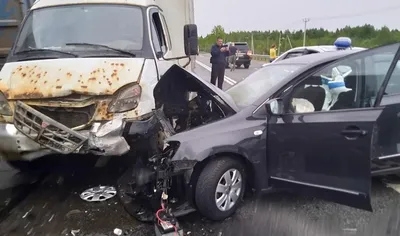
[345, 100]
[314, 93]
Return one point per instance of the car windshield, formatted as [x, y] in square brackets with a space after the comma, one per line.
[115, 26]
[255, 85]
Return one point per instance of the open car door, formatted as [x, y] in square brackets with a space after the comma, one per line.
[327, 154]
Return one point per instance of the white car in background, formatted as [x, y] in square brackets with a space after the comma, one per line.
[342, 43]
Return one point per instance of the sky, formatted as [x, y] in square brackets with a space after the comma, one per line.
[263, 15]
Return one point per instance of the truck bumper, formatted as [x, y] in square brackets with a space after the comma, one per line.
[34, 135]
[13, 141]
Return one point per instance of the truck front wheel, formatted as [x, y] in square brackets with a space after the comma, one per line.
[15, 162]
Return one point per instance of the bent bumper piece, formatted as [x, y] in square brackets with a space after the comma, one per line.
[33, 131]
[13, 141]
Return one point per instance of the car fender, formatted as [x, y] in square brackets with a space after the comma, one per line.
[198, 145]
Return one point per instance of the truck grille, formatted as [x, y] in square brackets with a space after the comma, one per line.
[70, 117]
[45, 130]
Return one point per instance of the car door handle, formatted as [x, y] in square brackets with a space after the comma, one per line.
[353, 132]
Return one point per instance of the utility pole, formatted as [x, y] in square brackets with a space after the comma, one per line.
[279, 43]
[305, 20]
[252, 43]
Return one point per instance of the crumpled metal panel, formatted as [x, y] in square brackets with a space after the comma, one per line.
[62, 77]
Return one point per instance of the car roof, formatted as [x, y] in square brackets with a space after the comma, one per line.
[47, 3]
[322, 48]
[316, 58]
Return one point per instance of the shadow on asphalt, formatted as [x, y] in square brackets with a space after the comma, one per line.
[52, 206]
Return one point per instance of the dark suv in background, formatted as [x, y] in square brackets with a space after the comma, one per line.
[244, 54]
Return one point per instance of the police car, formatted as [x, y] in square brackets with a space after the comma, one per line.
[341, 43]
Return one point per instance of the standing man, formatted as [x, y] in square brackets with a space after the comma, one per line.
[232, 57]
[272, 53]
[218, 61]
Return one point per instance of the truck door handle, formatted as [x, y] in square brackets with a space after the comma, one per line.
[353, 132]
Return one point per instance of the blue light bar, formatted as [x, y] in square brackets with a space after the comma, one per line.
[342, 42]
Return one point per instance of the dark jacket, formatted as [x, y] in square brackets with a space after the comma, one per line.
[218, 57]
[232, 50]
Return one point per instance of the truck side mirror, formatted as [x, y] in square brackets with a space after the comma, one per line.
[191, 39]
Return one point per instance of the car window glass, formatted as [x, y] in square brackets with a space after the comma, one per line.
[352, 82]
[393, 86]
[294, 54]
[242, 47]
[258, 83]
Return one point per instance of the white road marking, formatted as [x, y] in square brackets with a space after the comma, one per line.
[226, 78]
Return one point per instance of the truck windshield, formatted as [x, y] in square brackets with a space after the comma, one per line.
[70, 27]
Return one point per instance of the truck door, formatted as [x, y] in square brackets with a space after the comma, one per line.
[177, 13]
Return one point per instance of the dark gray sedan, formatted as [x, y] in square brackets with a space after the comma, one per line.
[311, 125]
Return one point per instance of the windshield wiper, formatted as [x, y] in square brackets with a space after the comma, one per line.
[45, 50]
[102, 46]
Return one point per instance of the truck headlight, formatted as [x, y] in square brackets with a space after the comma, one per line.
[126, 99]
[5, 108]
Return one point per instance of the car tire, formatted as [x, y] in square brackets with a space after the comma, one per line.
[206, 194]
[247, 66]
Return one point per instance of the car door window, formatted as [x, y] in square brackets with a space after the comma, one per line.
[349, 83]
[393, 87]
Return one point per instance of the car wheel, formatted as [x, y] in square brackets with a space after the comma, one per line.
[220, 188]
[247, 66]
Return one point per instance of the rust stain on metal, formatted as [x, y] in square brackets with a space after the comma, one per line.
[46, 79]
[102, 111]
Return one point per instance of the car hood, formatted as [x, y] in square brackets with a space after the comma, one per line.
[174, 76]
[62, 77]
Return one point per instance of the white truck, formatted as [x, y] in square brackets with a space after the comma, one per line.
[81, 73]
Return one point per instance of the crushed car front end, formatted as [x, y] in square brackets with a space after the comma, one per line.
[183, 103]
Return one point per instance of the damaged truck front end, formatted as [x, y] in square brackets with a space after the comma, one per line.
[77, 112]
[85, 92]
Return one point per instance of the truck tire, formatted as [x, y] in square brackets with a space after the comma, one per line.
[246, 66]
[216, 197]
[23, 166]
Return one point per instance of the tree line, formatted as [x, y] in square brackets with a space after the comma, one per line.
[362, 36]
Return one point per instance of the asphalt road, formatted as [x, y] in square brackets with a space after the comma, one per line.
[203, 68]
[52, 206]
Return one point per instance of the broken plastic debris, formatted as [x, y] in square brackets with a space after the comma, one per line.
[98, 194]
[27, 213]
[74, 232]
[117, 231]
[72, 212]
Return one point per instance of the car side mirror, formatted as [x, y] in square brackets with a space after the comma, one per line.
[275, 107]
[191, 40]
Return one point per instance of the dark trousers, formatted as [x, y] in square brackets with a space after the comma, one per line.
[218, 71]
